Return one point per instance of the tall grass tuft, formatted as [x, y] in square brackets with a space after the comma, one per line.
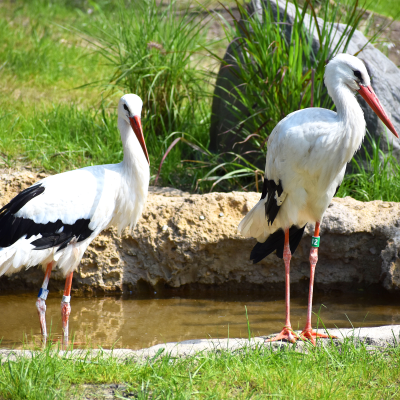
[154, 50]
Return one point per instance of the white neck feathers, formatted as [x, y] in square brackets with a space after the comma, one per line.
[351, 120]
[134, 164]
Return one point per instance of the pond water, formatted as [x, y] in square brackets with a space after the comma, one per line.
[132, 322]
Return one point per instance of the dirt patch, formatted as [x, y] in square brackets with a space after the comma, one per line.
[99, 392]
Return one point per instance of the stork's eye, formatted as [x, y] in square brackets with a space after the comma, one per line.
[126, 108]
[358, 75]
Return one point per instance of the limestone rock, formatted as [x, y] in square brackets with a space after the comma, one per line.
[191, 240]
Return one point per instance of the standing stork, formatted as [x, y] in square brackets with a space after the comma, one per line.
[53, 222]
[305, 165]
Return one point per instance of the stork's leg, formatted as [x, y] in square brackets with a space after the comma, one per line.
[41, 300]
[66, 307]
[287, 331]
[308, 332]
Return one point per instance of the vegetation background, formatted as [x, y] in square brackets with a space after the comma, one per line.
[64, 65]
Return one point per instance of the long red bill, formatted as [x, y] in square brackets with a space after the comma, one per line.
[370, 97]
[136, 125]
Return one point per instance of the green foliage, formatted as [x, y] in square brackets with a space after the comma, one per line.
[39, 377]
[44, 58]
[376, 178]
[41, 122]
[329, 372]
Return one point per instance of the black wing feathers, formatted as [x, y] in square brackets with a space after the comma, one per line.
[272, 190]
[20, 200]
[11, 229]
[57, 233]
[50, 238]
[276, 241]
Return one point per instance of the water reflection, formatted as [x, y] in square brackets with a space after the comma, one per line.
[132, 322]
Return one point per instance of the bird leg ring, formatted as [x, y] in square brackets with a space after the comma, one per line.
[41, 301]
[66, 307]
[308, 332]
[287, 331]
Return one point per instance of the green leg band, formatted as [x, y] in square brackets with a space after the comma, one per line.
[315, 241]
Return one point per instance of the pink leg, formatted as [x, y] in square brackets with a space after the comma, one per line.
[287, 331]
[41, 301]
[308, 332]
[66, 307]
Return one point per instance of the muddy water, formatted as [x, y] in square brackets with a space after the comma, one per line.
[132, 322]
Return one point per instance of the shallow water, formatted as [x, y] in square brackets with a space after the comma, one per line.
[131, 322]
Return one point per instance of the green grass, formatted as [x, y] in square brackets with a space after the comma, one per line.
[388, 8]
[348, 371]
[43, 120]
[61, 137]
[39, 57]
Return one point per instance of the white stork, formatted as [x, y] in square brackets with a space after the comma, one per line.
[53, 222]
[305, 165]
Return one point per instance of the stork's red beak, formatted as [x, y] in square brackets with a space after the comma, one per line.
[136, 125]
[370, 97]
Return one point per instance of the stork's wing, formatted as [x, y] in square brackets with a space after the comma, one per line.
[275, 196]
[59, 208]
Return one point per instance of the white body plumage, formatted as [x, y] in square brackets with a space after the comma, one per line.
[103, 195]
[308, 152]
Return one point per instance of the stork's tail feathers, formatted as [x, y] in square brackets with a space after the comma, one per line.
[276, 241]
[19, 255]
[254, 224]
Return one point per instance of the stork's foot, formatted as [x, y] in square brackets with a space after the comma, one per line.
[312, 335]
[65, 312]
[41, 309]
[286, 334]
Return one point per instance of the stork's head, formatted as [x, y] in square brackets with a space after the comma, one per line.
[351, 72]
[130, 110]
[348, 70]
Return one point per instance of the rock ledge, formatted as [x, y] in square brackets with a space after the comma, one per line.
[185, 240]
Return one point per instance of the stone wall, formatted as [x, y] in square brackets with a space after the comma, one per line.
[185, 240]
